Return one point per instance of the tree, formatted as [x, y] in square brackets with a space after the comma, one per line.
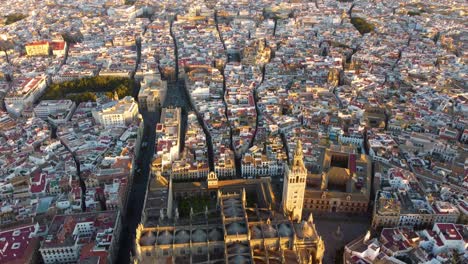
[82, 97]
[84, 89]
[414, 13]
[6, 45]
[455, 258]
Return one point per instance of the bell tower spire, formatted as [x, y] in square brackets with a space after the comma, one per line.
[294, 185]
[298, 159]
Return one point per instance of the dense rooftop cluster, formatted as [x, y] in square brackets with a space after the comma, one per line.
[440, 244]
[81, 165]
[58, 158]
[33, 165]
[157, 49]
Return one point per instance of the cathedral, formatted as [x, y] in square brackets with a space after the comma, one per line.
[228, 221]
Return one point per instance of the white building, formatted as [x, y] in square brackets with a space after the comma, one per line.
[415, 212]
[68, 235]
[117, 113]
[24, 93]
[445, 212]
[267, 169]
[168, 137]
[423, 143]
[450, 237]
[47, 107]
[354, 139]
[464, 136]
[294, 185]
[446, 151]
[257, 164]
[399, 179]
[225, 172]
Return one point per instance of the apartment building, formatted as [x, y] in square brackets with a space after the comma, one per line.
[117, 113]
[48, 107]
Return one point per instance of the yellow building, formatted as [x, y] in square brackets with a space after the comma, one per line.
[40, 48]
[343, 185]
[386, 211]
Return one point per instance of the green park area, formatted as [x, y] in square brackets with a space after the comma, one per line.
[415, 12]
[362, 25]
[12, 18]
[85, 89]
[129, 2]
[339, 45]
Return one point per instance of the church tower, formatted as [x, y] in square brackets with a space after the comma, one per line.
[294, 185]
[212, 180]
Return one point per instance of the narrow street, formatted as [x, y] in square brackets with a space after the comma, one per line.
[176, 97]
[137, 193]
[78, 170]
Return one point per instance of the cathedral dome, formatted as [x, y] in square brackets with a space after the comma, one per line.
[198, 236]
[182, 236]
[147, 239]
[165, 238]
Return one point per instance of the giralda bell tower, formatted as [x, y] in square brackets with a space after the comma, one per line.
[294, 185]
